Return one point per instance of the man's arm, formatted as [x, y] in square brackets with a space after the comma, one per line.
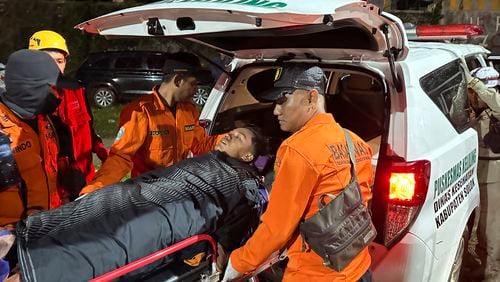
[292, 188]
[129, 139]
[202, 143]
[364, 170]
[489, 95]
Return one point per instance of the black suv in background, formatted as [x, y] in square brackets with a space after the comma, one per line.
[113, 76]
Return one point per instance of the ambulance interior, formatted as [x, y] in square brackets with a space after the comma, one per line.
[355, 99]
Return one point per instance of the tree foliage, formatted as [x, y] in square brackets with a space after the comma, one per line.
[21, 18]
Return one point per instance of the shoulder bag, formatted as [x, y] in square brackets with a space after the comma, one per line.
[343, 228]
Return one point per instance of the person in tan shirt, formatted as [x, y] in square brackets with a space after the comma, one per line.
[484, 98]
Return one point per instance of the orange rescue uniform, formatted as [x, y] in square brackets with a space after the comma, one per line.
[305, 168]
[36, 158]
[150, 136]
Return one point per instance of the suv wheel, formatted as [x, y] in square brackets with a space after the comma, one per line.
[456, 268]
[201, 96]
[104, 97]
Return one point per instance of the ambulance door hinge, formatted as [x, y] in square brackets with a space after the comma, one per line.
[357, 59]
[328, 20]
[391, 53]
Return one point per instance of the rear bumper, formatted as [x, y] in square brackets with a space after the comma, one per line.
[408, 260]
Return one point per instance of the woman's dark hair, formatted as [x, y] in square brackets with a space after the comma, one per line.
[259, 141]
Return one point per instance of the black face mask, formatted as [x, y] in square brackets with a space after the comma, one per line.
[51, 104]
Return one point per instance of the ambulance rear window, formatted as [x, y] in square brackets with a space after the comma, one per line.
[447, 88]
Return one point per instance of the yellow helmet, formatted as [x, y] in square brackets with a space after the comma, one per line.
[48, 39]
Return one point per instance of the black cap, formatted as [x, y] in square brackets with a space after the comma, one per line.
[295, 76]
[28, 74]
[178, 67]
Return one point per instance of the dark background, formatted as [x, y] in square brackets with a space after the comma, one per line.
[19, 19]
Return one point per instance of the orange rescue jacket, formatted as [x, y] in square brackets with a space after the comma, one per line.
[305, 168]
[150, 137]
[36, 158]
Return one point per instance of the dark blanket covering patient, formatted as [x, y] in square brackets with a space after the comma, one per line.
[215, 194]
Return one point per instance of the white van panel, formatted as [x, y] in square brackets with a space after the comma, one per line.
[408, 261]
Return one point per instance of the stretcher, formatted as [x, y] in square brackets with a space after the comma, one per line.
[206, 272]
[211, 275]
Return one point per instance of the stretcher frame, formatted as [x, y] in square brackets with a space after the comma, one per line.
[214, 276]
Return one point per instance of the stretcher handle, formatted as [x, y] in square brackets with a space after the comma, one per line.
[158, 255]
[274, 258]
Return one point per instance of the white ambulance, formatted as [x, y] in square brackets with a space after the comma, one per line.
[408, 100]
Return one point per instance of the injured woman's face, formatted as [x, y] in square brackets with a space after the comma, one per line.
[238, 144]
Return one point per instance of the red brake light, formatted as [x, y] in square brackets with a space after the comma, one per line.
[399, 192]
[450, 30]
[408, 182]
[204, 123]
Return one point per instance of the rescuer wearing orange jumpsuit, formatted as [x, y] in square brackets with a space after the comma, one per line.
[31, 78]
[156, 130]
[312, 161]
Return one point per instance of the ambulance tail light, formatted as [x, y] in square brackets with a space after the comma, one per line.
[399, 192]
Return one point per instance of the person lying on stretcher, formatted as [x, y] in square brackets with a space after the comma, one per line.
[216, 193]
